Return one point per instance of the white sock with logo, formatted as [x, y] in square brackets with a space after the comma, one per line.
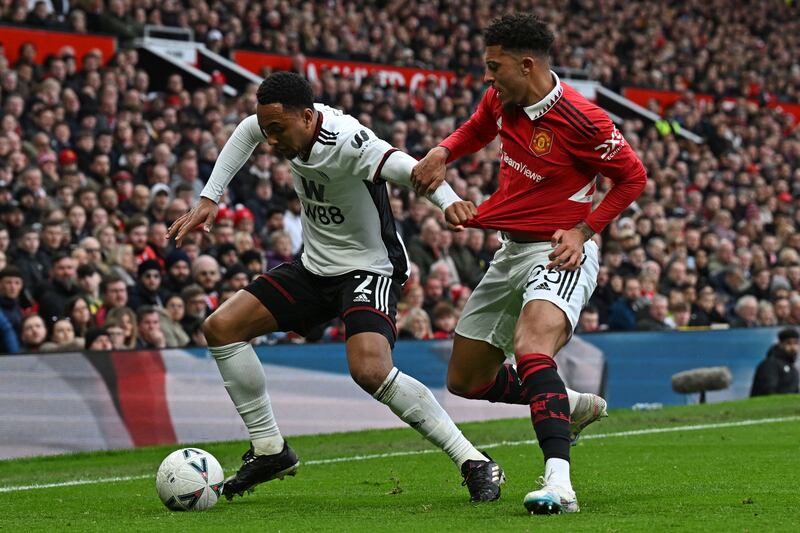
[414, 403]
[246, 385]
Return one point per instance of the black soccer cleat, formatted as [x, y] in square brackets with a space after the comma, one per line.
[259, 469]
[483, 479]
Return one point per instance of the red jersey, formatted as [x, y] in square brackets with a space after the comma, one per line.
[550, 154]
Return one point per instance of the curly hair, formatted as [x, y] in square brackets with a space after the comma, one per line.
[520, 32]
[287, 88]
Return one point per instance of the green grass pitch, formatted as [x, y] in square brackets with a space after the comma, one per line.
[723, 467]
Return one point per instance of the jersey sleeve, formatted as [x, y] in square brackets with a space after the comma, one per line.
[364, 153]
[598, 144]
[475, 133]
[234, 155]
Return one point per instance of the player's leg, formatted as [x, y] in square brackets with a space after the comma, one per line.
[541, 332]
[371, 334]
[485, 334]
[263, 307]
[552, 303]
[228, 331]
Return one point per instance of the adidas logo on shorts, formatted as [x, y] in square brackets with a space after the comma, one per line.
[542, 287]
[361, 298]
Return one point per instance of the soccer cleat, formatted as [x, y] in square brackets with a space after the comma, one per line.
[483, 479]
[259, 469]
[590, 408]
[551, 499]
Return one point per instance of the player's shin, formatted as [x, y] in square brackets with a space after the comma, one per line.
[414, 403]
[507, 388]
[246, 385]
[549, 413]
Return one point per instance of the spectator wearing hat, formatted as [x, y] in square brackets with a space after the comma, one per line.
[63, 286]
[98, 340]
[11, 287]
[160, 195]
[179, 273]
[777, 374]
[123, 184]
[236, 277]
[253, 261]
[148, 289]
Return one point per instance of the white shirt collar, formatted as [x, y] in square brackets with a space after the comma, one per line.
[537, 110]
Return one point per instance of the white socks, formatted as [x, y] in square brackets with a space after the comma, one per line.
[556, 472]
[244, 380]
[573, 397]
[414, 403]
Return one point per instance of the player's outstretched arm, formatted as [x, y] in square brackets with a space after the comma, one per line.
[203, 213]
[428, 174]
[398, 169]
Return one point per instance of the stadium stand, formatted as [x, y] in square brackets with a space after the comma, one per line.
[95, 163]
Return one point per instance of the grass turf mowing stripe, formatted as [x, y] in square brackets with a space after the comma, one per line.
[635, 432]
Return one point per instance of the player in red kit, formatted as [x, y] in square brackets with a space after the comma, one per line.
[554, 143]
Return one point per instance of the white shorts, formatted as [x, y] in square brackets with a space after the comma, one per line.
[517, 275]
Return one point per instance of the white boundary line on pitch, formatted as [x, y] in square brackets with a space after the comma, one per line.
[634, 432]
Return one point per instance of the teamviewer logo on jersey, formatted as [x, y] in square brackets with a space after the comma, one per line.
[361, 298]
[541, 142]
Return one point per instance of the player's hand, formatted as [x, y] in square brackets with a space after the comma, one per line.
[203, 213]
[568, 249]
[428, 174]
[459, 213]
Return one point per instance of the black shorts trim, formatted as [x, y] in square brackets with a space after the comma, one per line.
[372, 310]
[278, 287]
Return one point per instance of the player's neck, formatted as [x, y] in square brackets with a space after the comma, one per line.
[541, 84]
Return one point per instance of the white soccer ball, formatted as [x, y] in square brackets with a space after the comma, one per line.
[189, 479]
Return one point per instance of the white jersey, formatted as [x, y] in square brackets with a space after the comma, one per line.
[347, 220]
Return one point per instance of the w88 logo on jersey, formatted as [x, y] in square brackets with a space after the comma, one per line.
[323, 214]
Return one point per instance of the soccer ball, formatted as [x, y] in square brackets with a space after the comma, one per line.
[190, 479]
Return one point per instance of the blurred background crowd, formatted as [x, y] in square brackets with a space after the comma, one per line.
[95, 165]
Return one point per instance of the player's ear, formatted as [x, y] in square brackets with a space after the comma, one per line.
[527, 64]
[308, 115]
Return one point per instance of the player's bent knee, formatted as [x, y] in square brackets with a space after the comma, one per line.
[219, 331]
[369, 377]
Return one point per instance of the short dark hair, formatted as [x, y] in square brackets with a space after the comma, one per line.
[520, 32]
[287, 88]
[145, 310]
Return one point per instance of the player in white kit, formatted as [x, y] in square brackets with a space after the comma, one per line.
[353, 266]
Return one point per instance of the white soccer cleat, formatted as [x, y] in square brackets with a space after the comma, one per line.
[551, 499]
[590, 407]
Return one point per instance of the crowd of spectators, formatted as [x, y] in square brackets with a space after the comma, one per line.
[745, 48]
[95, 165]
